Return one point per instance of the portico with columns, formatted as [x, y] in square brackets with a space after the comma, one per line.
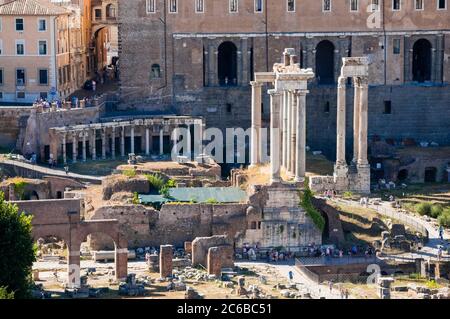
[109, 140]
[287, 118]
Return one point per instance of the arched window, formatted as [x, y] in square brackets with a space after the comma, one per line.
[156, 71]
[110, 11]
[325, 62]
[422, 61]
[227, 64]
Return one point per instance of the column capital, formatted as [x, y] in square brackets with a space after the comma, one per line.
[342, 82]
[256, 83]
[300, 92]
[274, 92]
[364, 82]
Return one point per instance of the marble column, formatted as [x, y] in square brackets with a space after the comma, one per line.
[285, 129]
[74, 147]
[255, 156]
[132, 139]
[288, 131]
[147, 141]
[300, 170]
[340, 147]
[122, 142]
[275, 104]
[94, 146]
[64, 148]
[356, 112]
[293, 136]
[103, 143]
[161, 141]
[84, 145]
[363, 122]
[113, 142]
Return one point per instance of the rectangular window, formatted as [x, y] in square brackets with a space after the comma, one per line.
[354, 5]
[43, 77]
[442, 4]
[291, 5]
[19, 24]
[20, 47]
[42, 47]
[98, 14]
[150, 6]
[1, 76]
[375, 5]
[1, 95]
[20, 95]
[326, 6]
[419, 5]
[20, 77]
[42, 25]
[199, 6]
[234, 5]
[387, 107]
[173, 6]
[395, 5]
[396, 46]
[258, 5]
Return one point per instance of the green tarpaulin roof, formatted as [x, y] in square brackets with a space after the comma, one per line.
[199, 195]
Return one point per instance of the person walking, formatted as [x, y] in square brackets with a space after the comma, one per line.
[441, 232]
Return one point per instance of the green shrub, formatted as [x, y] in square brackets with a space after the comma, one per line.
[444, 218]
[424, 208]
[129, 173]
[19, 189]
[347, 195]
[156, 181]
[136, 200]
[211, 201]
[311, 211]
[436, 210]
[4, 294]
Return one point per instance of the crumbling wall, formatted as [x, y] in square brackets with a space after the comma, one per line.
[201, 245]
[120, 183]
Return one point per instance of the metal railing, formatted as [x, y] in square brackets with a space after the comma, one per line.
[328, 260]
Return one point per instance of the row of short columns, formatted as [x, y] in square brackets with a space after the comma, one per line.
[287, 132]
[90, 134]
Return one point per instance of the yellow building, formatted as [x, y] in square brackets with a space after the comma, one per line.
[43, 49]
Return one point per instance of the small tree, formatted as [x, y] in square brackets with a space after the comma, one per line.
[4, 294]
[17, 250]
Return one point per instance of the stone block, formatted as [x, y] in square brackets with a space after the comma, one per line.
[165, 261]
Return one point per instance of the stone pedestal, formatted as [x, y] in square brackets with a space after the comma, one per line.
[165, 261]
[218, 258]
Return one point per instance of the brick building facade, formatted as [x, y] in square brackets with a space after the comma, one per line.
[196, 57]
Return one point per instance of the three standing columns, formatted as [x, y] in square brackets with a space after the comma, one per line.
[256, 124]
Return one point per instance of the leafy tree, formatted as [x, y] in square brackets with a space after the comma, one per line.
[4, 294]
[17, 250]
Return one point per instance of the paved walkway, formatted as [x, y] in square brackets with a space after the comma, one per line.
[51, 172]
[317, 291]
[430, 250]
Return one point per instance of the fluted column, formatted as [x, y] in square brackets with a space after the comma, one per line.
[74, 148]
[113, 142]
[255, 156]
[122, 142]
[356, 112]
[275, 104]
[64, 148]
[293, 136]
[300, 170]
[363, 122]
[340, 147]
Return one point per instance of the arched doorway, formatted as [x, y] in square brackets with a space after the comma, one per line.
[422, 61]
[227, 64]
[430, 174]
[110, 11]
[325, 62]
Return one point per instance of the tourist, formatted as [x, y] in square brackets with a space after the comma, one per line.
[441, 232]
[94, 85]
[66, 169]
[342, 293]
[439, 254]
[330, 284]
[346, 293]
